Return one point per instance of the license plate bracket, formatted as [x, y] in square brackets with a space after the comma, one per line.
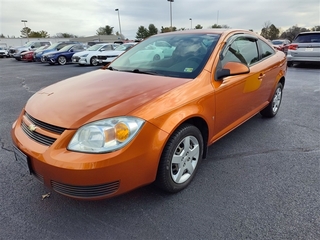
[22, 158]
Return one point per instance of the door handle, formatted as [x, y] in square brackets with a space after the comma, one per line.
[261, 76]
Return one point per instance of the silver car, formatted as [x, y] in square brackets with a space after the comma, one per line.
[305, 48]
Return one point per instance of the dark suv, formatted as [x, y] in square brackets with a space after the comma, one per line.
[305, 48]
[54, 47]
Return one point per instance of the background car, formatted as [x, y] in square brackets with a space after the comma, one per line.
[89, 56]
[132, 123]
[109, 56]
[3, 51]
[281, 44]
[305, 48]
[64, 55]
[54, 47]
[29, 55]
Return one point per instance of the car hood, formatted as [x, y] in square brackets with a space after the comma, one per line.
[96, 95]
[52, 52]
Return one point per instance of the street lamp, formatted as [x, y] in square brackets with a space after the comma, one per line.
[171, 1]
[24, 21]
[191, 22]
[117, 10]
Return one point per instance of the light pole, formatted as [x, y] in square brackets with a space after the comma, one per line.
[191, 22]
[171, 1]
[117, 10]
[24, 21]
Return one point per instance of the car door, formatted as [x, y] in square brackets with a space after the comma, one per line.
[237, 97]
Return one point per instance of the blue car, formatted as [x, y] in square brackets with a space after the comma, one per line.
[64, 55]
[37, 56]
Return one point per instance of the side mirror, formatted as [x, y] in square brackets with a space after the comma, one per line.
[102, 49]
[230, 69]
[71, 50]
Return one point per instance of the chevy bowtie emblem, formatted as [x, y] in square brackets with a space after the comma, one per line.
[32, 127]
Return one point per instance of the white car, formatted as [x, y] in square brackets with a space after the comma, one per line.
[109, 56]
[4, 52]
[89, 56]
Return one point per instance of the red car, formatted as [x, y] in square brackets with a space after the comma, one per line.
[29, 55]
[281, 44]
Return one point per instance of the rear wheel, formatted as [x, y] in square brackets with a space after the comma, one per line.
[272, 109]
[180, 159]
[62, 60]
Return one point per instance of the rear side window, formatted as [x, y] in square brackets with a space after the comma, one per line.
[266, 50]
[308, 38]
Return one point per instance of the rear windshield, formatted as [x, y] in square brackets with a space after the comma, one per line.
[308, 38]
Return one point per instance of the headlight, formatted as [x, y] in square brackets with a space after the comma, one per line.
[84, 55]
[105, 135]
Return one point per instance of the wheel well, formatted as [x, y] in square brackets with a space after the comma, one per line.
[282, 81]
[203, 127]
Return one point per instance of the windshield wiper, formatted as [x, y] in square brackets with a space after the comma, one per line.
[144, 72]
[110, 68]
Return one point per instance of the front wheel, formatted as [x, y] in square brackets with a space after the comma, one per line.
[62, 60]
[180, 159]
[272, 109]
[94, 61]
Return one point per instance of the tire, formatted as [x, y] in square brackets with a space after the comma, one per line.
[272, 109]
[156, 57]
[62, 60]
[180, 159]
[18, 59]
[289, 64]
[93, 61]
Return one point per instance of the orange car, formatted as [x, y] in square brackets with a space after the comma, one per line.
[141, 120]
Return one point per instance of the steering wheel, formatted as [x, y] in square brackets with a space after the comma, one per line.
[194, 59]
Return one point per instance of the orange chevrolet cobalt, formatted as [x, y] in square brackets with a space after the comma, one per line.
[150, 115]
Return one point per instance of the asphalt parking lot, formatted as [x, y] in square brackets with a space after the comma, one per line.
[261, 181]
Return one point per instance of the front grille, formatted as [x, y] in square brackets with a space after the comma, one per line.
[86, 191]
[46, 126]
[35, 135]
[76, 59]
[45, 140]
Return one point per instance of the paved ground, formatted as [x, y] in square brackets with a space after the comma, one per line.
[261, 181]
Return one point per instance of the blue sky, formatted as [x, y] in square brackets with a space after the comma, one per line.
[83, 17]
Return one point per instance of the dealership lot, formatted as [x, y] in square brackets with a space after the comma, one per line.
[262, 181]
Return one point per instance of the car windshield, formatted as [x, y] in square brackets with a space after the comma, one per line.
[28, 44]
[66, 48]
[174, 55]
[53, 46]
[95, 47]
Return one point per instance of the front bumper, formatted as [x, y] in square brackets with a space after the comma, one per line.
[91, 176]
